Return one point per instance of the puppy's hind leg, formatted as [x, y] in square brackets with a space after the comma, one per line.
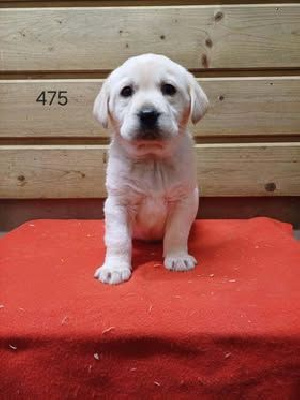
[117, 266]
[177, 233]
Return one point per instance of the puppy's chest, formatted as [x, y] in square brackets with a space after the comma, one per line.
[154, 180]
[148, 218]
[152, 191]
[160, 181]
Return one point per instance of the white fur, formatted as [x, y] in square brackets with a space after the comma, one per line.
[152, 184]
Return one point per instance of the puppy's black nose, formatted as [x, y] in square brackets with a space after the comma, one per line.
[148, 117]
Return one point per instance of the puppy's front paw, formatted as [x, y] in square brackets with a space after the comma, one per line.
[113, 272]
[180, 262]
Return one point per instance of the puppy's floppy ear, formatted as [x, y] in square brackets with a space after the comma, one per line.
[199, 102]
[101, 111]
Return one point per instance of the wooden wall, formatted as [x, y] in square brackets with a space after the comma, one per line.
[245, 54]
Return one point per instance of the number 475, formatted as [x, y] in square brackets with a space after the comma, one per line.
[49, 96]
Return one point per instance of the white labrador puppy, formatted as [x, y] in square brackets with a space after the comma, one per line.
[151, 174]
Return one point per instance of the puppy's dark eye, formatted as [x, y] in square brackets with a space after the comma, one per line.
[126, 91]
[167, 89]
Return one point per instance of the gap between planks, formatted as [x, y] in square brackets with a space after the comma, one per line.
[78, 141]
[103, 74]
[131, 3]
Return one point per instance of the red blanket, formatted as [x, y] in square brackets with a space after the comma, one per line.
[230, 329]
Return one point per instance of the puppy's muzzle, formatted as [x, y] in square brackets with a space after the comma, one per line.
[148, 118]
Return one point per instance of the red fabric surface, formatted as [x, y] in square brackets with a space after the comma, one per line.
[229, 329]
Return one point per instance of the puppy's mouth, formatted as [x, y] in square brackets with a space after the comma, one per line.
[149, 140]
[150, 135]
[149, 147]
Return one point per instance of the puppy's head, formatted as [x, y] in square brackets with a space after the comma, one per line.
[150, 99]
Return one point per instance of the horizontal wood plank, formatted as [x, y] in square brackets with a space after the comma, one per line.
[251, 107]
[238, 107]
[79, 171]
[23, 116]
[199, 37]
[52, 171]
[249, 169]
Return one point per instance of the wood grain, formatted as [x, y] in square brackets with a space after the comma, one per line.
[22, 116]
[251, 107]
[79, 171]
[238, 107]
[199, 37]
[270, 169]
